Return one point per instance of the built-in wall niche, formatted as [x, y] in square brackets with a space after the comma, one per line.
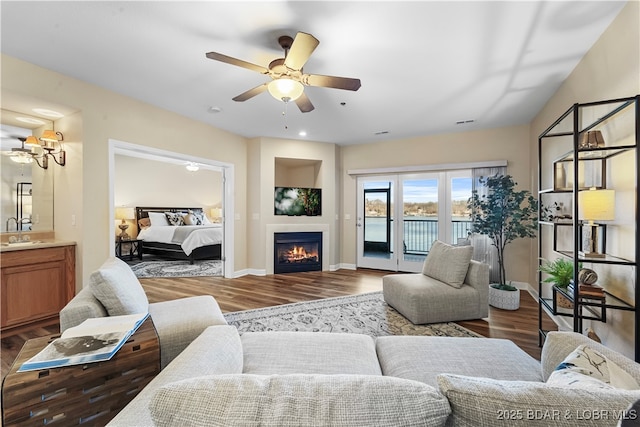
[297, 187]
[300, 173]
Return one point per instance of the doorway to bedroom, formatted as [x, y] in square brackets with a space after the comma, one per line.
[176, 208]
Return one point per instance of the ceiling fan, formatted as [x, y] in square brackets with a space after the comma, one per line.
[288, 78]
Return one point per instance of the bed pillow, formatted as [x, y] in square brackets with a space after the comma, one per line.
[175, 218]
[158, 218]
[194, 218]
[447, 263]
[144, 223]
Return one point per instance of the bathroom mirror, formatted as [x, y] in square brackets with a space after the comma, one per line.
[27, 189]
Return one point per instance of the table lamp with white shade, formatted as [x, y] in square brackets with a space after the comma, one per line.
[595, 205]
[124, 214]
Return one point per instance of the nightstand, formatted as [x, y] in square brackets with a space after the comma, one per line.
[127, 249]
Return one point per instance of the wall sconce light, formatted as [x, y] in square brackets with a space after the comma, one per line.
[595, 205]
[50, 144]
[124, 214]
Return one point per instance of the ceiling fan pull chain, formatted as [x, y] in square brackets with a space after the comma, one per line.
[284, 113]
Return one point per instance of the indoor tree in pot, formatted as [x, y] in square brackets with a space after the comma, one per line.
[503, 214]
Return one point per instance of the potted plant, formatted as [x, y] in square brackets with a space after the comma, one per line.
[560, 273]
[503, 214]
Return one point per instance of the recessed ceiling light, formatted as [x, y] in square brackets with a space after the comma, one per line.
[48, 113]
[215, 110]
[302, 133]
[30, 120]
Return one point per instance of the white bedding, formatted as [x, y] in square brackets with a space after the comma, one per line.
[202, 235]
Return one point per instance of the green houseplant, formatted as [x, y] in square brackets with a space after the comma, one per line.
[503, 214]
[560, 271]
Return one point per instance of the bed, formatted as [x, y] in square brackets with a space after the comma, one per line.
[185, 233]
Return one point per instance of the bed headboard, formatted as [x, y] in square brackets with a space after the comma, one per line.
[144, 212]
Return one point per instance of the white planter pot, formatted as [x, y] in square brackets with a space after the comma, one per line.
[506, 300]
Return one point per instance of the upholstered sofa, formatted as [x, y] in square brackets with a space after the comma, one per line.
[450, 288]
[314, 378]
[114, 290]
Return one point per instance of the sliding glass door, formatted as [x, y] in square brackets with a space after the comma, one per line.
[400, 216]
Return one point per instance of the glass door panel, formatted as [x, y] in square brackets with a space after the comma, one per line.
[420, 219]
[458, 213]
[376, 248]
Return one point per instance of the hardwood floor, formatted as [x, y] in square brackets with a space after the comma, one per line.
[251, 292]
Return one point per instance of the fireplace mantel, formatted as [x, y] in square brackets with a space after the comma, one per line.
[292, 228]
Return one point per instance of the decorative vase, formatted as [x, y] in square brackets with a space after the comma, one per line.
[506, 300]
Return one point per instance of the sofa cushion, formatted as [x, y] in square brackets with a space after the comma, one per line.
[585, 367]
[301, 400]
[423, 358]
[487, 402]
[217, 351]
[448, 263]
[280, 352]
[116, 286]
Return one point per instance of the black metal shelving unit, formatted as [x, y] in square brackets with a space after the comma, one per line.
[560, 144]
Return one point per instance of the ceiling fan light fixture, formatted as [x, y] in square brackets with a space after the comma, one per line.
[284, 89]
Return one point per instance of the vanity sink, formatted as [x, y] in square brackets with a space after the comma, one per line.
[17, 244]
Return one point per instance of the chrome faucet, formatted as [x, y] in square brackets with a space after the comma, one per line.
[9, 219]
[19, 223]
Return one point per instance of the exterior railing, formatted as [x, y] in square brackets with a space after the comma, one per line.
[419, 234]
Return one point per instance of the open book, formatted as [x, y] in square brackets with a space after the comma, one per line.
[94, 340]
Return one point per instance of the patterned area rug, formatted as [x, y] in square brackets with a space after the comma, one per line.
[363, 314]
[177, 269]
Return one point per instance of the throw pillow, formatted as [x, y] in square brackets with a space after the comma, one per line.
[586, 368]
[118, 289]
[447, 263]
[144, 223]
[300, 400]
[175, 218]
[194, 218]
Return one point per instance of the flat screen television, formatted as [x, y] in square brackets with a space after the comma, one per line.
[296, 201]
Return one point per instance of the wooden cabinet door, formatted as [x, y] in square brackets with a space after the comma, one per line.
[36, 285]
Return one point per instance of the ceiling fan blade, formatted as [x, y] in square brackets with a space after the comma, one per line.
[251, 93]
[331, 81]
[304, 104]
[238, 62]
[303, 46]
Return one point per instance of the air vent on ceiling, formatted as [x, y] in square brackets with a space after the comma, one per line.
[382, 132]
[464, 122]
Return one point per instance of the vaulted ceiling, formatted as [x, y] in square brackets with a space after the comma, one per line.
[424, 65]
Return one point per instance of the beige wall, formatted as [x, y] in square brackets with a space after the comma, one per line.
[610, 70]
[510, 144]
[82, 187]
[262, 174]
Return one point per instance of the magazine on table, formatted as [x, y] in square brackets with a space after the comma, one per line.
[94, 340]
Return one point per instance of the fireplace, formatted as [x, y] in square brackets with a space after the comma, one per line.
[296, 252]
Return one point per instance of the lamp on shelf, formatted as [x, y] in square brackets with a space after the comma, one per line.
[591, 139]
[124, 214]
[595, 205]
